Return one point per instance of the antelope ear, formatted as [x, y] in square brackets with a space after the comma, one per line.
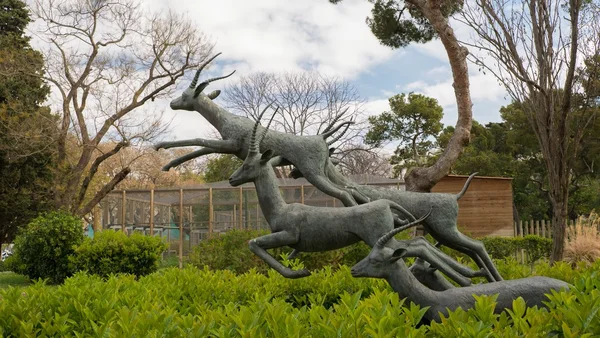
[398, 253]
[266, 156]
[213, 95]
[276, 161]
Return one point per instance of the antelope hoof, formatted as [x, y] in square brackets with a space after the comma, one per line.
[294, 274]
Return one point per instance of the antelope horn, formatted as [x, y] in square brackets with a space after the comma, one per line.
[386, 238]
[254, 144]
[195, 80]
[218, 78]
[264, 133]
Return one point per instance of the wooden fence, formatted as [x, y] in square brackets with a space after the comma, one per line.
[541, 228]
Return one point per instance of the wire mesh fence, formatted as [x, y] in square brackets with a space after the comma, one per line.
[186, 216]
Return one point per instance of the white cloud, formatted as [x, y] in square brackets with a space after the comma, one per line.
[437, 71]
[271, 35]
[376, 106]
[484, 87]
[276, 35]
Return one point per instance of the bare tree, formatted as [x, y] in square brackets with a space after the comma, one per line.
[359, 159]
[533, 48]
[105, 60]
[145, 165]
[308, 102]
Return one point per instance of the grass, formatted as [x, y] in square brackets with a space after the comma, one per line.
[12, 279]
[582, 240]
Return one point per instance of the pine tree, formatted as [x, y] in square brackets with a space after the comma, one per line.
[26, 127]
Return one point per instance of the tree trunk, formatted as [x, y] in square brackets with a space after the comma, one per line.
[423, 179]
[560, 203]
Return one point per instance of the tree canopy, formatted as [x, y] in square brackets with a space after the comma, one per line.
[26, 127]
[221, 167]
[414, 121]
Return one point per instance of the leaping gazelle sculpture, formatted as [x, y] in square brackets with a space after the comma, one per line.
[385, 261]
[310, 154]
[313, 229]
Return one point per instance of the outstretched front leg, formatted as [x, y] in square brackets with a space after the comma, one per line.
[276, 240]
[188, 157]
[221, 146]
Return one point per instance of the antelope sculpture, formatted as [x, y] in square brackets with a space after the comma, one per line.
[310, 154]
[314, 229]
[441, 225]
[385, 261]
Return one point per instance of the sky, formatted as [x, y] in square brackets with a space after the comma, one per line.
[278, 35]
[315, 35]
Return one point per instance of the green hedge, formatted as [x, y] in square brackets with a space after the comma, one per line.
[201, 303]
[536, 247]
[112, 252]
[230, 252]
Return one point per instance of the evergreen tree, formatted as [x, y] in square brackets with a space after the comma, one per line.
[26, 127]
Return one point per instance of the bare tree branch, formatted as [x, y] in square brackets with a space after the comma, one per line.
[107, 59]
[309, 103]
[531, 46]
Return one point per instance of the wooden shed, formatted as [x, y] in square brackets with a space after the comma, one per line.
[486, 208]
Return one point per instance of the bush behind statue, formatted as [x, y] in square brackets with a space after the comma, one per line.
[112, 252]
[42, 249]
[536, 247]
[230, 252]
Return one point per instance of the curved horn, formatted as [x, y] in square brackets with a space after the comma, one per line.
[253, 147]
[218, 78]
[195, 80]
[264, 133]
[386, 238]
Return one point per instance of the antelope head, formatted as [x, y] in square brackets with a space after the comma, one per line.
[254, 161]
[382, 259]
[186, 100]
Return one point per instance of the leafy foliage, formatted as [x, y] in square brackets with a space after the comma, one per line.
[536, 247]
[413, 121]
[220, 168]
[43, 249]
[397, 23]
[200, 303]
[112, 252]
[26, 128]
[230, 252]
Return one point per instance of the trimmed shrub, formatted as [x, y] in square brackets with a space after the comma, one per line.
[203, 303]
[112, 252]
[230, 252]
[536, 247]
[42, 249]
[500, 247]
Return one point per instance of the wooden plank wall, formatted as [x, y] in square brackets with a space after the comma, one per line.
[486, 207]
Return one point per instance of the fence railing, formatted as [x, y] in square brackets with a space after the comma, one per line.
[541, 228]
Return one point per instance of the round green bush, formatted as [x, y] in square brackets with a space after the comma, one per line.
[42, 249]
[112, 252]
